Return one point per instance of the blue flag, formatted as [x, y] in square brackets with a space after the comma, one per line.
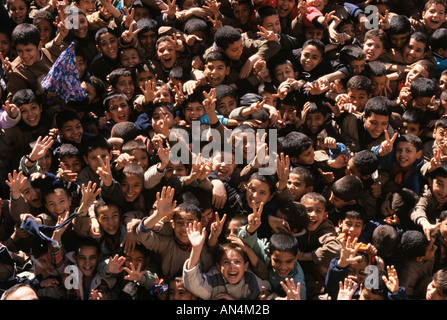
[63, 77]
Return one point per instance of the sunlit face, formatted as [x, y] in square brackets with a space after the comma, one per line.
[297, 186]
[272, 23]
[129, 57]
[18, 11]
[92, 158]
[418, 71]
[216, 72]
[283, 262]
[413, 128]
[87, 260]
[28, 53]
[310, 57]
[316, 212]
[376, 124]
[233, 267]
[177, 291]
[46, 161]
[356, 271]
[307, 157]
[82, 30]
[226, 105]
[58, 202]
[125, 85]
[32, 195]
[234, 50]
[140, 158]
[175, 170]
[242, 12]
[438, 187]
[285, 7]
[351, 227]
[148, 40]
[108, 45]
[82, 66]
[131, 187]
[166, 54]
[136, 258]
[358, 66]
[45, 29]
[358, 98]
[158, 119]
[109, 218]
[31, 113]
[378, 85]
[440, 134]
[259, 192]
[373, 48]
[74, 164]
[193, 112]
[315, 121]
[46, 264]
[224, 164]
[270, 99]
[232, 228]
[181, 221]
[406, 154]
[434, 291]
[119, 110]
[434, 17]
[72, 131]
[285, 71]
[398, 40]
[89, 6]
[413, 51]
[313, 33]
[5, 45]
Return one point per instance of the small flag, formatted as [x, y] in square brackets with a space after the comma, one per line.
[63, 77]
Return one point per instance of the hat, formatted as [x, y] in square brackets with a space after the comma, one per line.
[341, 149]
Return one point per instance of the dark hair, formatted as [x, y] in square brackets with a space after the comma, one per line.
[411, 138]
[316, 43]
[270, 180]
[141, 67]
[422, 87]
[399, 24]
[24, 34]
[366, 162]
[169, 107]
[402, 201]
[23, 96]
[296, 215]
[379, 105]
[429, 3]
[111, 96]
[223, 248]
[44, 15]
[415, 116]
[306, 174]
[438, 39]
[314, 196]
[126, 130]
[114, 76]
[96, 142]
[386, 240]
[217, 56]
[380, 289]
[178, 73]
[189, 208]
[100, 202]
[440, 278]
[225, 36]
[376, 69]
[63, 116]
[421, 37]
[131, 145]
[133, 169]
[283, 242]
[295, 143]
[68, 150]
[429, 66]
[264, 12]
[414, 244]
[347, 188]
[351, 53]
[195, 24]
[147, 24]
[103, 31]
[87, 242]
[378, 33]
[441, 123]
[223, 90]
[359, 82]
[318, 107]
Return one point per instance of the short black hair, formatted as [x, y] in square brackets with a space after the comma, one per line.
[23, 96]
[351, 53]
[411, 138]
[65, 115]
[366, 162]
[414, 244]
[378, 105]
[283, 242]
[360, 82]
[422, 87]
[225, 36]
[26, 33]
[347, 188]
[399, 24]
[438, 39]
[295, 143]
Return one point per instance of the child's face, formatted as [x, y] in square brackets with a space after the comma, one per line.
[125, 85]
[270, 99]
[337, 202]
[92, 158]
[316, 211]
[131, 186]
[175, 170]
[87, 260]
[89, 90]
[297, 186]
[136, 258]
[234, 50]
[140, 158]
[398, 40]
[319, 4]
[242, 12]
[283, 262]
[313, 33]
[31, 113]
[406, 154]
[285, 71]
[226, 105]
[434, 17]
[82, 30]
[285, 7]
[74, 164]
[141, 13]
[177, 291]
[32, 195]
[307, 157]
[418, 71]
[366, 294]
[442, 83]
[5, 45]
[119, 110]
[216, 72]
[413, 51]
[46, 161]
[193, 112]
[434, 291]
[348, 29]
[82, 65]
[18, 11]
[181, 222]
[443, 230]
[358, 66]
[438, 187]
[440, 135]
[310, 57]
[163, 94]
[188, 4]
[232, 267]
[157, 118]
[272, 23]
[166, 54]
[420, 103]
[109, 218]
[232, 228]
[142, 77]
[351, 227]
[72, 131]
[28, 53]
[375, 124]
[224, 165]
[45, 30]
[89, 6]
[46, 264]
[378, 85]
[148, 40]
[258, 192]
[373, 48]
[129, 58]
[430, 250]
[108, 45]
[315, 121]
[58, 202]
[413, 128]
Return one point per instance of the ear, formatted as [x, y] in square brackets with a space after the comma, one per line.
[85, 159]
[227, 71]
[430, 182]
[107, 114]
[419, 153]
[247, 264]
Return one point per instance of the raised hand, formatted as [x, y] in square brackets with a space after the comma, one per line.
[115, 264]
[171, 10]
[11, 109]
[349, 248]
[387, 145]
[292, 291]
[15, 182]
[89, 195]
[268, 35]
[165, 202]
[392, 282]
[66, 174]
[347, 289]
[210, 101]
[134, 274]
[254, 219]
[282, 170]
[217, 226]
[196, 234]
[104, 171]
[129, 35]
[40, 148]
[6, 64]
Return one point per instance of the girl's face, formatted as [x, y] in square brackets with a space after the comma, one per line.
[310, 58]
[125, 85]
[31, 113]
[82, 30]
[109, 218]
[258, 192]
[131, 186]
[45, 30]
[413, 51]
[5, 45]
[373, 48]
[166, 54]
[87, 260]
[434, 17]
[58, 202]
[233, 267]
[18, 11]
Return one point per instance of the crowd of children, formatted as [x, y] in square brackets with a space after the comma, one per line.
[347, 201]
